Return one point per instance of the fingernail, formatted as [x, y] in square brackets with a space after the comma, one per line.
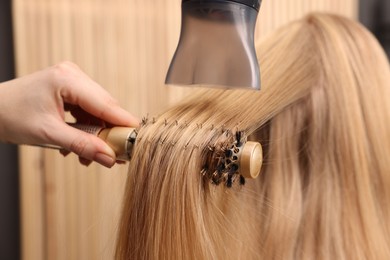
[104, 160]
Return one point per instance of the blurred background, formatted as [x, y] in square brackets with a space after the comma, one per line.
[52, 207]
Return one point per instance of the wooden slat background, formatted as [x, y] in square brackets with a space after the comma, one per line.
[70, 211]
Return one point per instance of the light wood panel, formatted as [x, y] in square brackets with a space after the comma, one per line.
[70, 211]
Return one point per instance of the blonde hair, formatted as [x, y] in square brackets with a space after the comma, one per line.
[323, 118]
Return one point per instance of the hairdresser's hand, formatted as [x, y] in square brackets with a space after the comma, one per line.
[32, 111]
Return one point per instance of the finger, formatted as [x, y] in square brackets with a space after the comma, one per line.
[85, 145]
[82, 91]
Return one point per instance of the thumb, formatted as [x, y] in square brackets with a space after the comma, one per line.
[86, 145]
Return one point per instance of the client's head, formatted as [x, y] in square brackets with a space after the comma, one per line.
[323, 119]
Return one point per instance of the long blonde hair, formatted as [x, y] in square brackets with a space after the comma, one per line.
[323, 118]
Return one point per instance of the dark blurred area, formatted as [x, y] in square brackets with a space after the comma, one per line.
[375, 14]
[9, 176]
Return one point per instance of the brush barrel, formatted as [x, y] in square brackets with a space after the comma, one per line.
[121, 140]
[251, 160]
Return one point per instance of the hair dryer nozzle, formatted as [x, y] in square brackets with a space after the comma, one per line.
[216, 45]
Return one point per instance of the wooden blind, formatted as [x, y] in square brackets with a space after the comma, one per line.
[70, 211]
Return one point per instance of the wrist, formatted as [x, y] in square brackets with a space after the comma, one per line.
[8, 110]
